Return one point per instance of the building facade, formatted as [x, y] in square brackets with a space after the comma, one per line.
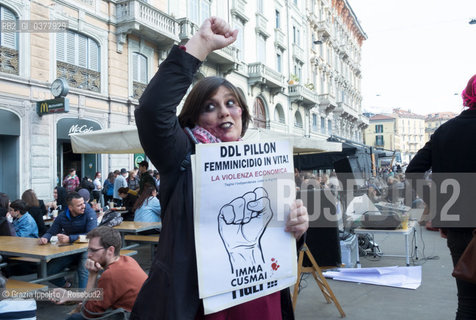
[434, 120]
[411, 128]
[382, 132]
[296, 61]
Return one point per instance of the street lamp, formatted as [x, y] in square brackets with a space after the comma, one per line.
[317, 42]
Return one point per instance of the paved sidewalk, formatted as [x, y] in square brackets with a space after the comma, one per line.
[434, 299]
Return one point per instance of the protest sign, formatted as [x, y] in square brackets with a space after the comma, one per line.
[233, 298]
[242, 195]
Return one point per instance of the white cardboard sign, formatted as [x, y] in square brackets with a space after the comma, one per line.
[242, 195]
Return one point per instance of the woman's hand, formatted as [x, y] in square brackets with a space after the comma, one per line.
[298, 219]
[215, 33]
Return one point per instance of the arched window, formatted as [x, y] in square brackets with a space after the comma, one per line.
[259, 113]
[279, 114]
[77, 60]
[297, 120]
[139, 74]
[9, 58]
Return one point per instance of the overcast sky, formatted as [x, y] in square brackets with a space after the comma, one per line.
[418, 54]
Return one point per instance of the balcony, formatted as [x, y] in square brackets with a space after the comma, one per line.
[363, 121]
[298, 53]
[226, 56]
[324, 29]
[312, 18]
[261, 23]
[305, 96]
[346, 111]
[262, 74]
[280, 39]
[327, 103]
[238, 10]
[134, 16]
[343, 51]
[186, 29]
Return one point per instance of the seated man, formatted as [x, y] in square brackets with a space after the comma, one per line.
[23, 222]
[104, 256]
[68, 226]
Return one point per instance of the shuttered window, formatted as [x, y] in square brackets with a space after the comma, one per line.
[78, 50]
[199, 10]
[8, 39]
[139, 72]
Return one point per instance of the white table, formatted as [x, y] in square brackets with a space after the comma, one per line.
[404, 232]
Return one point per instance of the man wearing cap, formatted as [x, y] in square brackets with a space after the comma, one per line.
[120, 182]
[86, 196]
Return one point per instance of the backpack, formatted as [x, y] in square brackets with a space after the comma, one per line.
[111, 219]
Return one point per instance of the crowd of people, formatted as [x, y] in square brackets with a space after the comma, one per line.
[214, 111]
[77, 210]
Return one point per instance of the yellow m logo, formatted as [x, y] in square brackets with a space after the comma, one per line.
[44, 107]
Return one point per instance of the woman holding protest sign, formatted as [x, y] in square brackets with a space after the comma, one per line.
[214, 111]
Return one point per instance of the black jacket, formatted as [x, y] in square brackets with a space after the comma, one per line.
[452, 148]
[450, 153]
[171, 290]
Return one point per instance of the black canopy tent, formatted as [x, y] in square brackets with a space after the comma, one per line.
[358, 154]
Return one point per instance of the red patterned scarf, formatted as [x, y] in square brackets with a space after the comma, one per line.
[204, 136]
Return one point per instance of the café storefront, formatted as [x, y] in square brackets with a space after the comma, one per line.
[86, 165]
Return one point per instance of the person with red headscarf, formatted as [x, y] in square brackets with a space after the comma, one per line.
[450, 152]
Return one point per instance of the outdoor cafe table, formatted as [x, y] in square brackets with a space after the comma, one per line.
[29, 247]
[135, 227]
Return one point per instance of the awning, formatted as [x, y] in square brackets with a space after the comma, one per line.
[112, 140]
[301, 145]
[126, 140]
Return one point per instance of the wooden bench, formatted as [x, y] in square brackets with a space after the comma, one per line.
[26, 259]
[151, 239]
[129, 253]
[23, 286]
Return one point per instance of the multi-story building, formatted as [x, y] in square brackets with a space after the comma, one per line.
[297, 62]
[434, 120]
[411, 128]
[382, 132]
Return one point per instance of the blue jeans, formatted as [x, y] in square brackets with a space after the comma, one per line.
[59, 264]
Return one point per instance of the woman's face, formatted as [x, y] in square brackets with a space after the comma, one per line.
[221, 115]
[55, 194]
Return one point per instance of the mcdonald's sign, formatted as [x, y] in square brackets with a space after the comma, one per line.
[58, 105]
